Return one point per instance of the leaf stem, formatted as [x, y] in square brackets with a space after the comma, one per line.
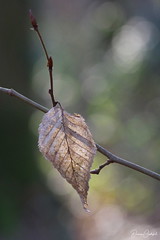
[111, 157]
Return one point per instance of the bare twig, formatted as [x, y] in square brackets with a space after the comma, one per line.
[111, 157]
[49, 59]
[126, 163]
[13, 93]
[97, 171]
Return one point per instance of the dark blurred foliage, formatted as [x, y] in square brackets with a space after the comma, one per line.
[106, 67]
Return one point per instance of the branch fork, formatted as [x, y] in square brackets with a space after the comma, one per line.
[111, 157]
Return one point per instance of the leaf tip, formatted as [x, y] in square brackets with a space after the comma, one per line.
[85, 206]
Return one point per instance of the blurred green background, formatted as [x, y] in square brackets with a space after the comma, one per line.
[106, 67]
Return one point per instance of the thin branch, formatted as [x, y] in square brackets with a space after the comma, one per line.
[49, 59]
[126, 163]
[97, 171]
[11, 92]
[111, 157]
[42, 42]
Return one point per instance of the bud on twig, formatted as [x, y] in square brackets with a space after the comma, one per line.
[50, 63]
[33, 21]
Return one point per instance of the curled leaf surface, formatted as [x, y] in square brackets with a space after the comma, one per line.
[66, 141]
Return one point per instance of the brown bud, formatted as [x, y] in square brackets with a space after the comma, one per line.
[50, 63]
[33, 21]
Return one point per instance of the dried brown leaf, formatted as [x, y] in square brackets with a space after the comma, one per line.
[66, 141]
